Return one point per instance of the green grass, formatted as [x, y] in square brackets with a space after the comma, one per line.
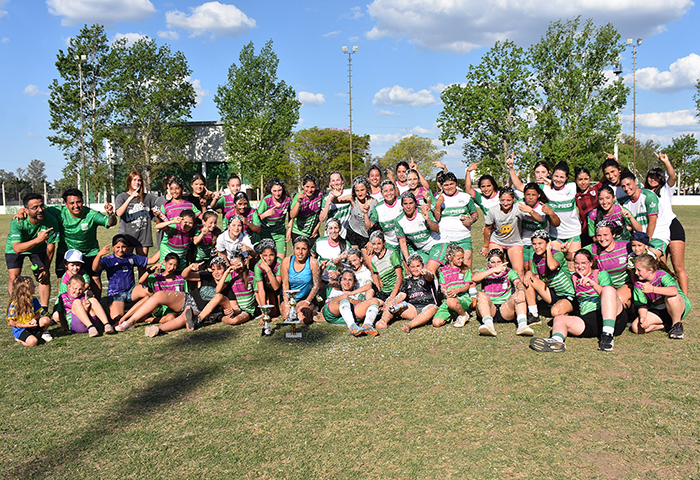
[223, 402]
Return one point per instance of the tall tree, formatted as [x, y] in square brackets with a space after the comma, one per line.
[318, 152]
[645, 155]
[578, 118]
[80, 132]
[259, 112]
[35, 174]
[491, 111]
[697, 99]
[150, 102]
[684, 155]
[420, 149]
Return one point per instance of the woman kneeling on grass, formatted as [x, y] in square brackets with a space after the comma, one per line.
[416, 300]
[660, 303]
[600, 310]
[267, 276]
[456, 283]
[502, 296]
[301, 272]
[346, 302]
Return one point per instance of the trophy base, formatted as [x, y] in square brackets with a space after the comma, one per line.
[293, 335]
[266, 332]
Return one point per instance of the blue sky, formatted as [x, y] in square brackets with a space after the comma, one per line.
[408, 51]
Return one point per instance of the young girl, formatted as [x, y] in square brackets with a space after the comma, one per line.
[456, 283]
[79, 303]
[205, 239]
[346, 302]
[327, 249]
[179, 233]
[612, 256]
[387, 269]
[226, 203]
[242, 308]
[535, 198]
[660, 303]
[416, 228]
[600, 311]
[305, 210]
[272, 211]
[74, 266]
[24, 314]
[177, 205]
[249, 216]
[416, 300]
[611, 211]
[267, 275]
[486, 197]
[422, 194]
[234, 240]
[502, 296]
[359, 222]
[120, 274]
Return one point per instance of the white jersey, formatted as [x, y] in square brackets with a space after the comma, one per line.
[416, 230]
[666, 215]
[402, 188]
[563, 202]
[377, 196]
[451, 227]
[364, 276]
[385, 215]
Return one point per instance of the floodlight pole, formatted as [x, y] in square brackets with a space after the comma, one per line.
[350, 52]
[80, 59]
[630, 42]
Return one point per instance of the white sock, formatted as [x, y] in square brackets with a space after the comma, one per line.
[472, 292]
[346, 312]
[533, 310]
[609, 330]
[521, 319]
[487, 320]
[371, 315]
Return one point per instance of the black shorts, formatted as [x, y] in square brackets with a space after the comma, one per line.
[354, 238]
[15, 260]
[498, 318]
[545, 309]
[677, 231]
[87, 266]
[28, 332]
[594, 324]
[665, 317]
[381, 295]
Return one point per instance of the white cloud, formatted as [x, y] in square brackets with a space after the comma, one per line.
[32, 134]
[214, 17]
[131, 38]
[353, 39]
[5, 40]
[464, 25]
[354, 14]
[385, 138]
[398, 96]
[418, 130]
[3, 12]
[387, 112]
[331, 34]
[168, 34]
[33, 91]
[75, 12]
[199, 92]
[682, 74]
[679, 118]
[310, 99]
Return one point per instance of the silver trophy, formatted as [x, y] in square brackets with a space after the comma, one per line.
[292, 317]
[266, 330]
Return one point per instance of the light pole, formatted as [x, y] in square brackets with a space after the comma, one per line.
[634, 46]
[350, 52]
[617, 70]
[80, 59]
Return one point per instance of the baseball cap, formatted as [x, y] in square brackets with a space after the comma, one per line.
[74, 256]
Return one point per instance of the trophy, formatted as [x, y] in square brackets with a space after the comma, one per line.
[292, 317]
[266, 330]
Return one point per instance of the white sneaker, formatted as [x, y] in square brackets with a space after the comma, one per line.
[46, 336]
[524, 330]
[461, 321]
[487, 329]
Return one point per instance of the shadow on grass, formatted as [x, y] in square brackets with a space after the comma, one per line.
[310, 334]
[202, 336]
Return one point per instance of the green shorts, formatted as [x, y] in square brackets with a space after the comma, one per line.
[658, 244]
[437, 253]
[528, 253]
[576, 238]
[280, 240]
[329, 317]
[444, 311]
[465, 243]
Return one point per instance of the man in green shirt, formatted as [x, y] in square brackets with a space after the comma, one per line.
[35, 237]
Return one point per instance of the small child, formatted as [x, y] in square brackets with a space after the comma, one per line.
[205, 239]
[74, 266]
[87, 309]
[267, 276]
[455, 282]
[639, 243]
[660, 303]
[24, 314]
[120, 273]
[179, 234]
[243, 307]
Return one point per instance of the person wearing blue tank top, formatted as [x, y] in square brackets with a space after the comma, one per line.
[301, 272]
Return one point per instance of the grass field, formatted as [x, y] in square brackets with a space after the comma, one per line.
[223, 402]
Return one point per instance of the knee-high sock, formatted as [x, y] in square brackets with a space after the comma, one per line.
[346, 312]
[371, 315]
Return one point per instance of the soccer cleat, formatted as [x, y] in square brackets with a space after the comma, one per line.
[532, 319]
[524, 330]
[539, 344]
[461, 321]
[92, 331]
[606, 342]
[46, 337]
[355, 330]
[487, 329]
[369, 330]
[676, 331]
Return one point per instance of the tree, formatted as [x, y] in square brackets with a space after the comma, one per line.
[259, 112]
[684, 155]
[150, 101]
[421, 149]
[77, 105]
[318, 152]
[492, 110]
[578, 119]
[35, 175]
[645, 155]
[697, 99]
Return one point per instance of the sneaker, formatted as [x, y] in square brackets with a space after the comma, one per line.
[606, 342]
[189, 319]
[461, 321]
[124, 326]
[46, 337]
[109, 329]
[473, 307]
[355, 330]
[547, 345]
[532, 319]
[487, 330]
[92, 331]
[369, 329]
[524, 330]
[152, 331]
[676, 331]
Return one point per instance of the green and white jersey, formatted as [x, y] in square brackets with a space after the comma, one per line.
[416, 231]
[646, 205]
[451, 227]
[385, 215]
[559, 280]
[563, 202]
[385, 267]
[528, 225]
[327, 252]
[341, 211]
[484, 203]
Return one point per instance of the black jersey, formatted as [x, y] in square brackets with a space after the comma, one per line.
[419, 291]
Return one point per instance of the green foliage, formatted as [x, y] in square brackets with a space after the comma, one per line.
[697, 99]
[685, 157]
[491, 110]
[151, 98]
[318, 152]
[420, 149]
[578, 118]
[645, 155]
[259, 112]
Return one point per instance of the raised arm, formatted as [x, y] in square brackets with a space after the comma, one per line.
[669, 168]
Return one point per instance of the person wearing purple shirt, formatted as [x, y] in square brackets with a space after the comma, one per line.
[174, 207]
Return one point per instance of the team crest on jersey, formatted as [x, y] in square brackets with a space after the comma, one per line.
[622, 260]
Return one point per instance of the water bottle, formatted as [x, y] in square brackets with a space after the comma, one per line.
[398, 306]
[36, 270]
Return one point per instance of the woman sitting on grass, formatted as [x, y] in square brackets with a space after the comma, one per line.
[456, 283]
[243, 308]
[77, 302]
[612, 256]
[347, 302]
[502, 296]
[267, 275]
[24, 314]
[301, 272]
[660, 303]
[416, 300]
[387, 271]
[600, 311]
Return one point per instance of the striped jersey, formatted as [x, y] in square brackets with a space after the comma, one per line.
[243, 290]
[261, 275]
[452, 277]
[416, 231]
[158, 283]
[558, 280]
[499, 288]
[485, 203]
[588, 298]
[275, 222]
[614, 262]
[341, 211]
[385, 267]
[309, 211]
[654, 300]
[617, 219]
[646, 205]
[385, 215]
[528, 225]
